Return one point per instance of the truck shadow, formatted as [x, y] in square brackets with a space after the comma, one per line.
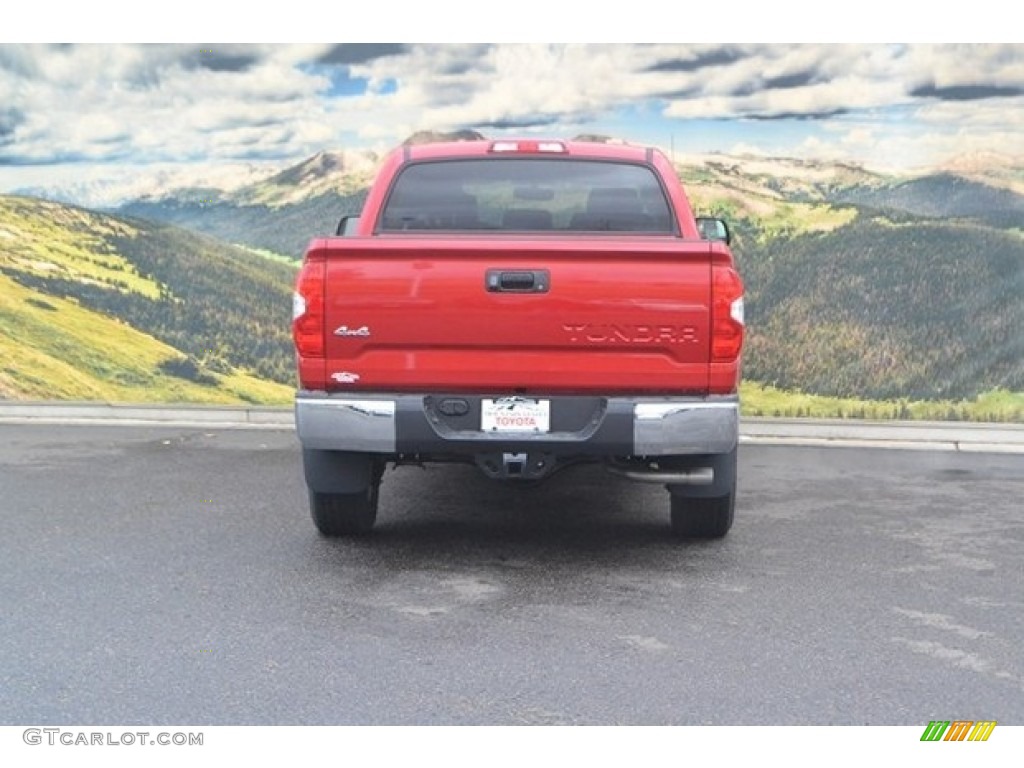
[448, 515]
[449, 541]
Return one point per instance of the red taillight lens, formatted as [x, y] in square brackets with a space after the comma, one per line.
[308, 309]
[726, 314]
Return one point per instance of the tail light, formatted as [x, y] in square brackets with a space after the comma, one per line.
[726, 314]
[308, 309]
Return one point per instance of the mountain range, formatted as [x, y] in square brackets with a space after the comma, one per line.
[279, 213]
[860, 283]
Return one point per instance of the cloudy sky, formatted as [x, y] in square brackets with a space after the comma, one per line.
[80, 112]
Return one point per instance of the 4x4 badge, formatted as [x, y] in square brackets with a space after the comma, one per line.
[344, 330]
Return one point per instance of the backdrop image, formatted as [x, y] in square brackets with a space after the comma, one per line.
[155, 201]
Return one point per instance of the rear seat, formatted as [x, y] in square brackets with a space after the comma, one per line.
[528, 219]
[614, 208]
[444, 209]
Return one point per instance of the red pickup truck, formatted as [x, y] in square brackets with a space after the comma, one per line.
[521, 305]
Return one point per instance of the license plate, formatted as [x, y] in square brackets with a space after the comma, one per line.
[515, 414]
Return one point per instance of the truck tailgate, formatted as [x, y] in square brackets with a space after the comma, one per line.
[608, 314]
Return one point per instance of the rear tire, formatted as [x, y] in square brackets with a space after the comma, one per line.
[706, 511]
[345, 514]
[709, 518]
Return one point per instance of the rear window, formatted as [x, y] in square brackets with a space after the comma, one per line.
[527, 195]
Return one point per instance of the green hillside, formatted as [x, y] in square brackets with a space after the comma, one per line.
[943, 196]
[888, 308]
[756, 217]
[102, 307]
[283, 229]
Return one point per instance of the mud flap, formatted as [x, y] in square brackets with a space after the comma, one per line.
[339, 471]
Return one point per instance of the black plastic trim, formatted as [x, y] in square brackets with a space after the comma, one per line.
[580, 426]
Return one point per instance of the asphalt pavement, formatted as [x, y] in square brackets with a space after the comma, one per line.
[167, 575]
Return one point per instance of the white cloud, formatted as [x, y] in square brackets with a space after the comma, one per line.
[160, 103]
[171, 103]
[858, 138]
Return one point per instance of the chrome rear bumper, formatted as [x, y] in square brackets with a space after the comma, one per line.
[636, 426]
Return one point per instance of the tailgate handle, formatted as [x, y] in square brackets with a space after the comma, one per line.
[518, 281]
